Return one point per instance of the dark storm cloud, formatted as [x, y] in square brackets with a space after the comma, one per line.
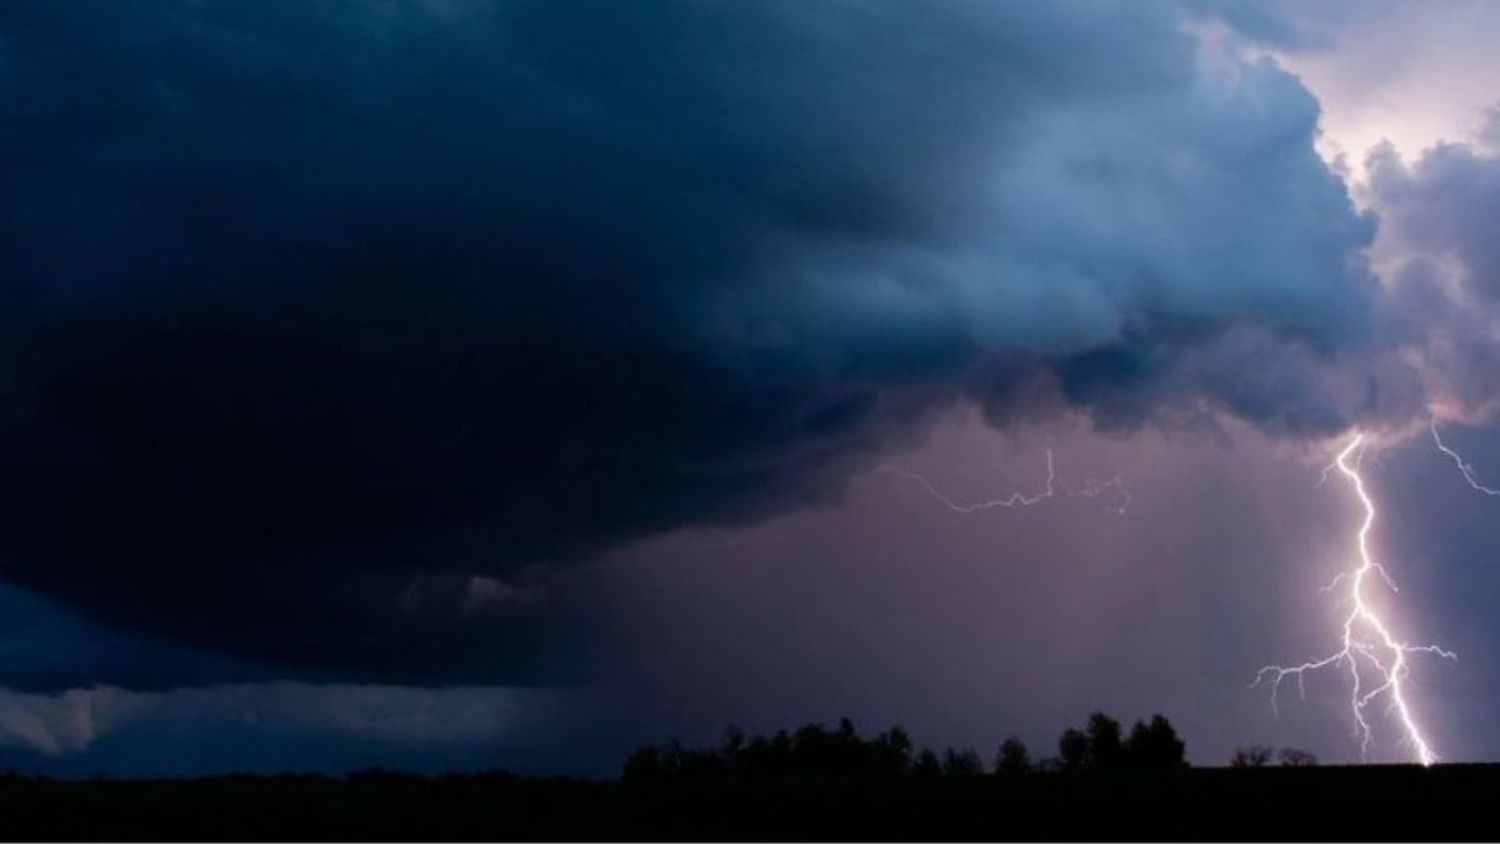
[314, 312]
[45, 648]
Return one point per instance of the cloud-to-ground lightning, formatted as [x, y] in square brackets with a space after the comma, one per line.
[1367, 636]
[1463, 465]
[1092, 488]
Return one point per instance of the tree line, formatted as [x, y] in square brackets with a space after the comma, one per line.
[815, 752]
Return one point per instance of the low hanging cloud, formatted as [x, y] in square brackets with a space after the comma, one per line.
[74, 720]
[312, 313]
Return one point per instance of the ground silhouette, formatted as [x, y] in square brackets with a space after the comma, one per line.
[811, 783]
[816, 753]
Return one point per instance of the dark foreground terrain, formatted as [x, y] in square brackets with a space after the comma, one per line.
[1449, 802]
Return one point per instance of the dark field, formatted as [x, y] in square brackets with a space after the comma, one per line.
[1447, 802]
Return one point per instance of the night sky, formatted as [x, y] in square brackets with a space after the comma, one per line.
[459, 384]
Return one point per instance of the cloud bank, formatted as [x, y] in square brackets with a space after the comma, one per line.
[314, 313]
[75, 720]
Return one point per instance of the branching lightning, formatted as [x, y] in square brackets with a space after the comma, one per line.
[1367, 638]
[1377, 661]
[1091, 488]
[1463, 465]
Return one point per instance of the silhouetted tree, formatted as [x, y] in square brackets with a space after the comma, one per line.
[1106, 750]
[734, 741]
[1155, 745]
[1013, 757]
[1073, 750]
[962, 763]
[1251, 756]
[897, 739]
[891, 752]
[1292, 757]
[766, 758]
[927, 764]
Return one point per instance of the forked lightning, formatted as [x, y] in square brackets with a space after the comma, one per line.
[1367, 637]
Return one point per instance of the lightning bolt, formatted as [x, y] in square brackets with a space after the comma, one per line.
[1366, 636]
[1463, 465]
[1091, 488]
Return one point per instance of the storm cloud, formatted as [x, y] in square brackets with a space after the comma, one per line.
[327, 329]
[1438, 244]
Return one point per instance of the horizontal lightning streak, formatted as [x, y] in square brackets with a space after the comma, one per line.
[1092, 488]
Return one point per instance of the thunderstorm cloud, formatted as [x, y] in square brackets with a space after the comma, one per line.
[332, 331]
